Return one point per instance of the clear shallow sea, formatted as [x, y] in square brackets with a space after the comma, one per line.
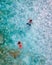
[36, 39]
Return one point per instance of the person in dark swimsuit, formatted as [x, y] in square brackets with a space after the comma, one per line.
[30, 22]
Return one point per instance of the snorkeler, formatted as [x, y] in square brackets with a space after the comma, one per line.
[19, 44]
[30, 22]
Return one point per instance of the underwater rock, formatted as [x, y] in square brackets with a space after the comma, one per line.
[38, 59]
[1, 39]
[3, 53]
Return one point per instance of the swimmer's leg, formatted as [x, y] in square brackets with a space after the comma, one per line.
[28, 24]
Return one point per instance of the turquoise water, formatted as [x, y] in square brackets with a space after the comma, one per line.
[36, 39]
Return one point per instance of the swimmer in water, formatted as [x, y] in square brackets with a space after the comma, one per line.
[20, 44]
[30, 22]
